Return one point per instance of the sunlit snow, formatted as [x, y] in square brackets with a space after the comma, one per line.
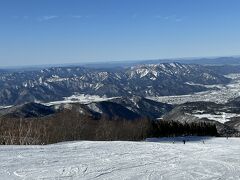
[199, 158]
[81, 98]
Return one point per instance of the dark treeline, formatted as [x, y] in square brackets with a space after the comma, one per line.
[173, 128]
[68, 126]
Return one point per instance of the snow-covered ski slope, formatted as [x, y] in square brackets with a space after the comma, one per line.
[216, 158]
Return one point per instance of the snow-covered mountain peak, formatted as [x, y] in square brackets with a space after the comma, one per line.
[154, 70]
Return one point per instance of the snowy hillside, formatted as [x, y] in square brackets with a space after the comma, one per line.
[216, 158]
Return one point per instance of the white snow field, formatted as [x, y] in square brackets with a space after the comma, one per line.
[80, 98]
[216, 158]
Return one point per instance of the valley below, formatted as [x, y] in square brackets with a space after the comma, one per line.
[219, 93]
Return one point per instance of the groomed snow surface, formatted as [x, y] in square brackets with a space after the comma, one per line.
[200, 158]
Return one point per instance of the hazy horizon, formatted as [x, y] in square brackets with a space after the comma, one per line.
[122, 62]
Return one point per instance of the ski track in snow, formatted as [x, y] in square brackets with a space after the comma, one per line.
[218, 158]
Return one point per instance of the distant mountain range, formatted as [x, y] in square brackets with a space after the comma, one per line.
[53, 84]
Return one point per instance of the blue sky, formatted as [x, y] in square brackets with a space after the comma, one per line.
[74, 31]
